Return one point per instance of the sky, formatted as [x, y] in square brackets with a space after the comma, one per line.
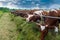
[30, 4]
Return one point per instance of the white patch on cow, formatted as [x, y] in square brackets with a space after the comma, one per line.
[27, 19]
[38, 12]
[54, 10]
[42, 28]
[56, 29]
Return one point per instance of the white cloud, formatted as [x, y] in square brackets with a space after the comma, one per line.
[1, 4]
[54, 6]
[13, 1]
[35, 8]
[3, 0]
[12, 4]
[9, 4]
[39, 8]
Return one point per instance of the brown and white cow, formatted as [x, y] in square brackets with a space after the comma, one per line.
[34, 16]
[49, 23]
[23, 13]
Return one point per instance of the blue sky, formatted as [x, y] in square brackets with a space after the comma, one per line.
[30, 4]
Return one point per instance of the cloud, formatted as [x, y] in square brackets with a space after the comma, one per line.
[54, 6]
[1, 4]
[29, 4]
[9, 4]
[2, 0]
[35, 8]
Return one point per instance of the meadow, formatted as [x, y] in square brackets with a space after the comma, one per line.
[16, 28]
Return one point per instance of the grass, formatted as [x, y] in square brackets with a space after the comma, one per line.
[7, 28]
[1, 13]
[27, 30]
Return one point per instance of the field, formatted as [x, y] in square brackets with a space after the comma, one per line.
[16, 28]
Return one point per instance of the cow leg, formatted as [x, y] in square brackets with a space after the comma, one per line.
[56, 30]
[44, 32]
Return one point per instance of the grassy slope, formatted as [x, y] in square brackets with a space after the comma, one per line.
[7, 28]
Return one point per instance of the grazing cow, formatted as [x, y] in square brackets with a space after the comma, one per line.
[35, 17]
[23, 13]
[50, 23]
[58, 15]
[28, 14]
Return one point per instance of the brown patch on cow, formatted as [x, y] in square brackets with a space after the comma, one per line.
[23, 13]
[34, 18]
[51, 21]
[45, 13]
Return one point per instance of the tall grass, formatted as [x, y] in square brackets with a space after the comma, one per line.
[1, 13]
[27, 30]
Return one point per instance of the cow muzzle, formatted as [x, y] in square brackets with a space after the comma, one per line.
[42, 27]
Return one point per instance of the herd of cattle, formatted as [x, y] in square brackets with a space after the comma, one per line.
[37, 16]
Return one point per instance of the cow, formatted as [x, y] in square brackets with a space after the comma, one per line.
[58, 15]
[36, 16]
[49, 23]
[23, 13]
[33, 18]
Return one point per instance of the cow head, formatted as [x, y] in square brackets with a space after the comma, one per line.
[36, 16]
[38, 13]
[28, 18]
[33, 18]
